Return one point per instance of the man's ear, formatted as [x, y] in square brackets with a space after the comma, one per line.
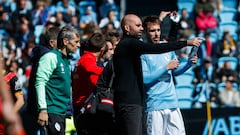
[52, 43]
[65, 41]
[127, 28]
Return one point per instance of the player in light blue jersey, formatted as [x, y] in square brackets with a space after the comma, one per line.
[163, 116]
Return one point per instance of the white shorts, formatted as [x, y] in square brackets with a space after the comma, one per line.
[165, 122]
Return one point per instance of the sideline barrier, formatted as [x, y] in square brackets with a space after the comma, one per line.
[225, 121]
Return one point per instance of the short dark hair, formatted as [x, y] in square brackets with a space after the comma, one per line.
[111, 34]
[51, 34]
[150, 19]
[95, 42]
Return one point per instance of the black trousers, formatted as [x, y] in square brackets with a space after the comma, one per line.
[29, 121]
[93, 124]
[56, 124]
[129, 119]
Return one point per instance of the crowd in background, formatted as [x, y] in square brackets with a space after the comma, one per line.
[218, 69]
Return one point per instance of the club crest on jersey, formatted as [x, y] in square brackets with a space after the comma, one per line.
[167, 57]
[62, 68]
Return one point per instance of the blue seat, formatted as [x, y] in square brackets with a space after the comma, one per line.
[228, 15]
[184, 92]
[210, 85]
[187, 4]
[214, 37]
[232, 60]
[230, 4]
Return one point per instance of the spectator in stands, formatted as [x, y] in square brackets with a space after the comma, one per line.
[205, 21]
[227, 46]
[10, 50]
[106, 6]
[214, 97]
[217, 5]
[38, 13]
[24, 33]
[110, 18]
[75, 22]
[200, 5]
[208, 48]
[66, 9]
[108, 27]
[5, 23]
[88, 17]
[187, 26]
[25, 62]
[22, 14]
[205, 72]
[59, 20]
[5, 5]
[229, 96]
[50, 9]
[51, 22]
[89, 29]
[75, 56]
[226, 72]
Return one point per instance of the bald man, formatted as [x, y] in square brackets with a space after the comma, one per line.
[128, 82]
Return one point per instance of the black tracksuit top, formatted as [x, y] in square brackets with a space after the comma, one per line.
[128, 81]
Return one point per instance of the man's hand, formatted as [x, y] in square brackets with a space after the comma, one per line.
[43, 118]
[195, 41]
[194, 59]
[173, 64]
[163, 14]
[174, 13]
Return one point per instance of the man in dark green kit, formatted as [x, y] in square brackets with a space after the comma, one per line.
[53, 82]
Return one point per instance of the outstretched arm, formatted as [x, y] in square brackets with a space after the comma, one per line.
[184, 66]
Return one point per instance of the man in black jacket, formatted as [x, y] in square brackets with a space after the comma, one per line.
[128, 81]
[50, 42]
